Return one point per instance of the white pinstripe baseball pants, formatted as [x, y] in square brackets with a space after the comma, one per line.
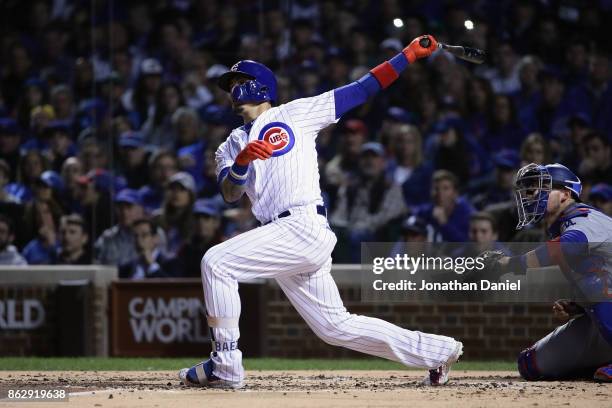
[296, 250]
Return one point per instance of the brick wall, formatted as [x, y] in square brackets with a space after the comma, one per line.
[40, 341]
[43, 341]
[488, 331]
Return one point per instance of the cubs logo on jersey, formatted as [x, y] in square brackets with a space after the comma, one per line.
[279, 135]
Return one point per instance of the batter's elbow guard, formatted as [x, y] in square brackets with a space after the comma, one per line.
[527, 365]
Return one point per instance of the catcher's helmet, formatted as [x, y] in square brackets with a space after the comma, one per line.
[532, 186]
[261, 86]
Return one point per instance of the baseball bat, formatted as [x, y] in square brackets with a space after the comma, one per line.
[469, 54]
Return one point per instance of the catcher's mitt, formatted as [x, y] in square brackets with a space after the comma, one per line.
[492, 270]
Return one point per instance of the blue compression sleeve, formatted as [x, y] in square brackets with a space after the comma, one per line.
[572, 243]
[356, 93]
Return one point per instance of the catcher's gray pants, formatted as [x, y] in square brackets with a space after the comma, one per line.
[570, 350]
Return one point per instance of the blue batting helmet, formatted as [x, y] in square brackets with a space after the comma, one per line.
[533, 185]
[261, 86]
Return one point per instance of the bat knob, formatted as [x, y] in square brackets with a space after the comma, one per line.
[425, 42]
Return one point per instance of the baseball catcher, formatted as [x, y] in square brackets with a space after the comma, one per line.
[273, 159]
[581, 243]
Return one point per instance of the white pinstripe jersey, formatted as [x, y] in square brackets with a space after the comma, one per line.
[290, 178]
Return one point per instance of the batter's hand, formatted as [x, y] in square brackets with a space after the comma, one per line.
[257, 149]
[415, 50]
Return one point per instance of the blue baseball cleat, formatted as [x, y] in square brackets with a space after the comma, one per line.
[201, 375]
[603, 374]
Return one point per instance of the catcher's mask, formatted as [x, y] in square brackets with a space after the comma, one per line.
[532, 186]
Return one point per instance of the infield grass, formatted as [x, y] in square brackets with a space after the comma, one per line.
[155, 364]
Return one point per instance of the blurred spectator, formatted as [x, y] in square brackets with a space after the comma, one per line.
[10, 206]
[42, 217]
[63, 103]
[150, 261]
[551, 115]
[71, 172]
[115, 245]
[189, 142]
[162, 165]
[5, 174]
[449, 213]
[10, 140]
[483, 236]
[573, 147]
[500, 188]
[548, 42]
[504, 77]
[206, 234]
[408, 168]
[35, 95]
[9, 255]
[134, 159]
[209, 183]
[17, 70]
[73, 240]
[40, 118]
[412, 235]
[577, 60]
[186, 126]
[596, 167]
[480, 99]
[414, 229]
[92, 154]
[483, 232]
[535, 149]
[367, 202]
[31, 166]
[595, 94]
[93, 200]
[60, 143]
[142, 99]
[446, 143]
[601, 197]
[346, 162]
[175, 216]
[526, 98]
[406, 142]
[158, 129]
[503, 131]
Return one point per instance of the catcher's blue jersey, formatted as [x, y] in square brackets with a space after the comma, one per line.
[585, 234]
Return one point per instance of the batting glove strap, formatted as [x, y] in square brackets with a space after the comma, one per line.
[238, 174]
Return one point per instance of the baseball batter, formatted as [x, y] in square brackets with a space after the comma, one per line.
[273, 159]
[581, 246]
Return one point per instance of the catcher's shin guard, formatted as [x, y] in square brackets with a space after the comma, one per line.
[527, 365]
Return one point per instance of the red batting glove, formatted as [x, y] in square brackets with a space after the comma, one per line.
[257, 149]
[415, 51]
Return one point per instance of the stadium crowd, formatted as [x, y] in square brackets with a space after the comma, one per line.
[110, 117]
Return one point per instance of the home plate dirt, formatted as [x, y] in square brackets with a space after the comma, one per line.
[308, 389]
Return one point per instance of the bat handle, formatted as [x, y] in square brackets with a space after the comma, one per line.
[425, 42]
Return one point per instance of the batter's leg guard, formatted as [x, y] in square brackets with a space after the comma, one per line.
[527, 365]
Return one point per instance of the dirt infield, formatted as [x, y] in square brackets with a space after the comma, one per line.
[309, 389]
